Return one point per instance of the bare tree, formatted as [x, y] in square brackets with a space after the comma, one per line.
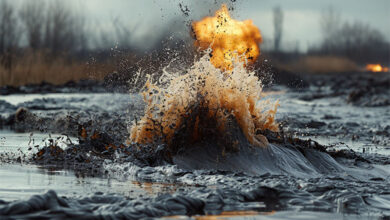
[64, 30]
[330, 23]
[33, 20]
[355, 40]
[361, 42]
[278, 27]
[123, 33]
[9, 33]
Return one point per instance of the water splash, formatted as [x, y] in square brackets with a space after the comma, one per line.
[200, 104]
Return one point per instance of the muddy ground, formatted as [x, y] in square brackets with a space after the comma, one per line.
[329, 161]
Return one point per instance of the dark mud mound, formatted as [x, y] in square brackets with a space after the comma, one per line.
[283, 155]
[233, 152]
[274, 159]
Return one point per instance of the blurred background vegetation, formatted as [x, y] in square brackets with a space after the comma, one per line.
[51, 41]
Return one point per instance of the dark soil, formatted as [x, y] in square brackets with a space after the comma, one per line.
[292, 173]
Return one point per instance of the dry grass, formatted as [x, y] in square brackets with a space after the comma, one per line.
[37, 67]
[321, 64]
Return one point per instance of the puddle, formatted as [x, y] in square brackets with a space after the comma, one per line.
[21, 181]
[11, 141]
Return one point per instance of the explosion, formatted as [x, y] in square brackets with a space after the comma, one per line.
[229, 39]
[205, 103]
[376, 68]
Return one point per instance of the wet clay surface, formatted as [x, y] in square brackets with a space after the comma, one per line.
[330, 160]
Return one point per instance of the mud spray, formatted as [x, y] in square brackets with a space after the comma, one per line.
[215, 91]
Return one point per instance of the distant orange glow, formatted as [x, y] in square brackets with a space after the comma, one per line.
[229, 39]
[376, 68]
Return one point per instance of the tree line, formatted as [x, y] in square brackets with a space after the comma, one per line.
[354, 40]
[52, 26]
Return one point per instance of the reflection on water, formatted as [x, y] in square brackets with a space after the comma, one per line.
[155, 188]
[232, 214]
[226, 215]
[22, 181]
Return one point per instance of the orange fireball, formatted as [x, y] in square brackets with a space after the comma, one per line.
[229, 39]
[376, 68]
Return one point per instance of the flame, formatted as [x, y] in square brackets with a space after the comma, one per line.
[376, 68]
[229, 39]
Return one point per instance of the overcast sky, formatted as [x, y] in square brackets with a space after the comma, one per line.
[301, 17]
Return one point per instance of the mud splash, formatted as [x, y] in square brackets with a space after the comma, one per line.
[201, 103]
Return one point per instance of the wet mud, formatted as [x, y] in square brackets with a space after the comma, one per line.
[360, 89]
[45, 87]
[329, 160]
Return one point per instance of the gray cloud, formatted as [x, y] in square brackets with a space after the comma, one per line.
[151, 17]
